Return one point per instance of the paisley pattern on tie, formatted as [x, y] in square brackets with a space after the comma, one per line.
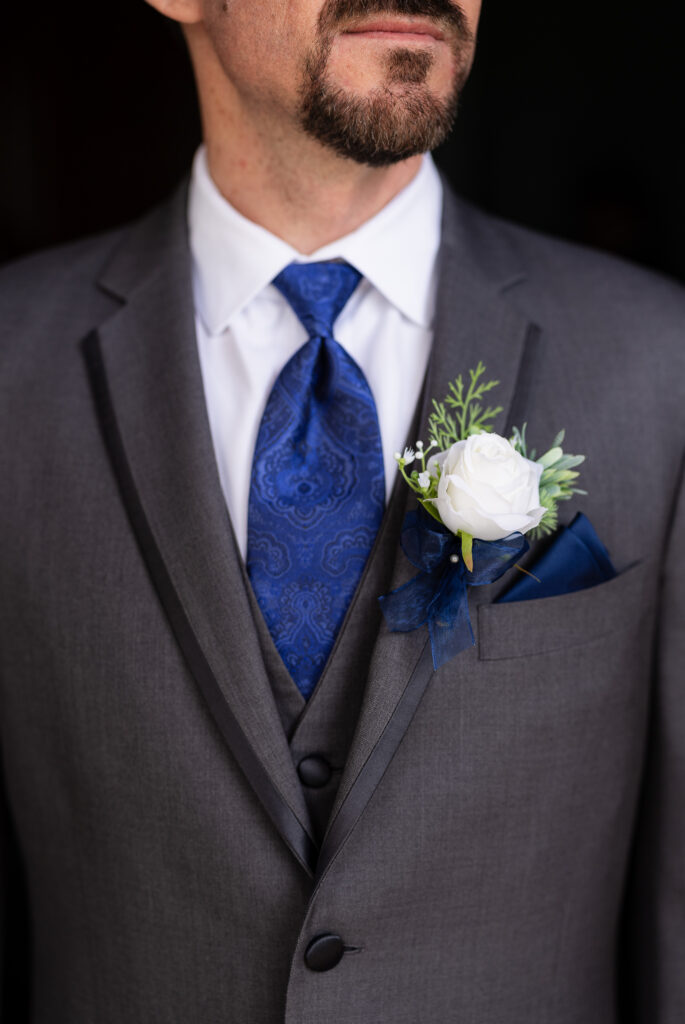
[317, 491]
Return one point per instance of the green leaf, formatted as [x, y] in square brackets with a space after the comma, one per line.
[560, 476]
[518, 439]
[547, 524]
[552, 491]
[431, 509]
[570, 461]
[550, 457]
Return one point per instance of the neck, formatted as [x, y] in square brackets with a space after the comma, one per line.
[306, 202]
[274, 174]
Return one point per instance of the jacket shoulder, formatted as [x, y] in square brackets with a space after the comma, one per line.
[608, 328]
[70, 287]
[55, 266]
[55, 285]
[554, 277]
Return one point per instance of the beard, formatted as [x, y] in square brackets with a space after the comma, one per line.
[402, 117]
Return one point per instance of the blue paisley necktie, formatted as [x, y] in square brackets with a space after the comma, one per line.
[317, 490]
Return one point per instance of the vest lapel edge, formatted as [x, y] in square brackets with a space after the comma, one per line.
[377, 763]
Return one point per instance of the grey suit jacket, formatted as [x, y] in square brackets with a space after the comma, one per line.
[507, 842]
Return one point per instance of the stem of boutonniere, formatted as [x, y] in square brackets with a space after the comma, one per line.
[407, 479]
[531, 574]
[422, 452]
[467, 549]
[423, 484]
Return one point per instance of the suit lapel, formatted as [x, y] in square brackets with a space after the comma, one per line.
[147, 384]
[474, 321]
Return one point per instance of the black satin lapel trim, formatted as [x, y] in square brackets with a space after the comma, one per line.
[376, 764]
[290, 829]
[530, 358]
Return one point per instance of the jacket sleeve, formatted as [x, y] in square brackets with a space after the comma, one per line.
[656, 894]
[14, 931]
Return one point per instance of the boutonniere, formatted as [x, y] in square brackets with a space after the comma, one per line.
[478, 495]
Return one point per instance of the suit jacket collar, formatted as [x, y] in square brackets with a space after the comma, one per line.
[146, 377]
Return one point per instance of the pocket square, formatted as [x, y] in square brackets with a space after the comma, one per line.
[576, 560]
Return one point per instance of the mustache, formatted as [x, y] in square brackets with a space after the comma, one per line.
[447, 12]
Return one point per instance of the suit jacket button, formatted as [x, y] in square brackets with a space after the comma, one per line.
[314, 771]
[324, 952]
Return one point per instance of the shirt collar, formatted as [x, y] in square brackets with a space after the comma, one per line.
[234, 259]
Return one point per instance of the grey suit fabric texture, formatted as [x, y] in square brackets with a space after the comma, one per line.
[501, 841]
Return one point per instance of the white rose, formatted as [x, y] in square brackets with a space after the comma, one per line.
[487, 488]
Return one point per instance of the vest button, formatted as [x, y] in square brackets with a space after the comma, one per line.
[324, 952]
[314, 771]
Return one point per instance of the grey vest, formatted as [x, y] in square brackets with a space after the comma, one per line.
[324, 726]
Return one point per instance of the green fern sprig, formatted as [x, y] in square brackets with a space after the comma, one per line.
[469, 416]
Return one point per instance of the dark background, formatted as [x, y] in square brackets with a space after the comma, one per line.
[571, 122]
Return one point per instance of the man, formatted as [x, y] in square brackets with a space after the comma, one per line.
[214, 811]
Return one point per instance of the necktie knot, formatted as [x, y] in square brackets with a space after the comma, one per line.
[317, 292]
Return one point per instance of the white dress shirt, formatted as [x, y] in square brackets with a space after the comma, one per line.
[247, 331]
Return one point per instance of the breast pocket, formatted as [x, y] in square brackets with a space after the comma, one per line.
[525, 628]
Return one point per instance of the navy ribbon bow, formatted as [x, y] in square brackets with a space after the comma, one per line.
[437, 596]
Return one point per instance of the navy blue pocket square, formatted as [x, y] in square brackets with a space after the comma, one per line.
[576, 560]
